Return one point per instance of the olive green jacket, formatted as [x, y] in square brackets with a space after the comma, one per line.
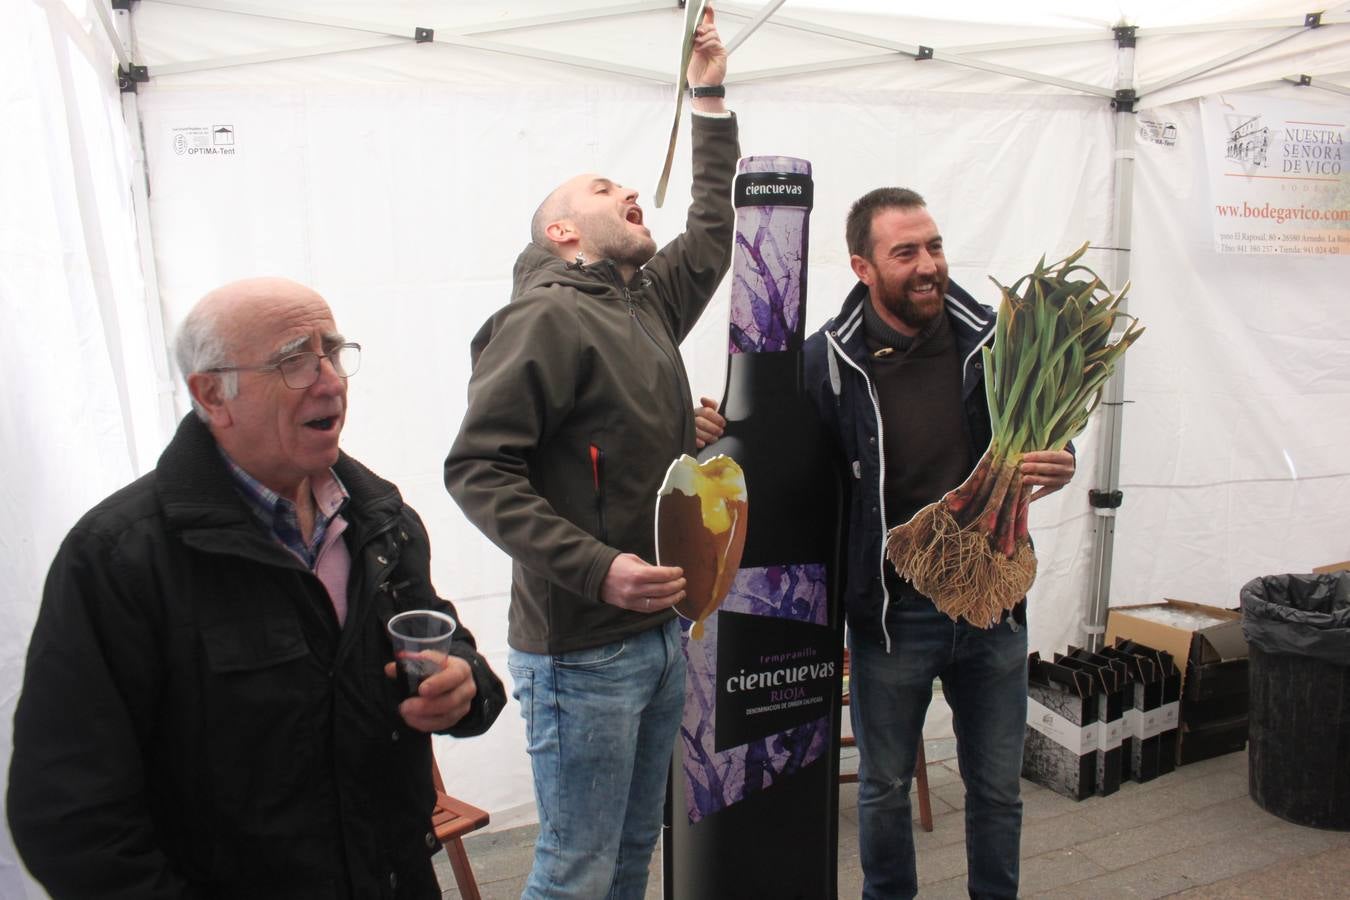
[578, 402]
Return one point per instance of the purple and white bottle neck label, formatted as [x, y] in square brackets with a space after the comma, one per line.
[773, 199]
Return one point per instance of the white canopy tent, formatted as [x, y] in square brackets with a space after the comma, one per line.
[324, 141]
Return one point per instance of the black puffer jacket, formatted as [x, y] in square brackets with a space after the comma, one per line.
[193, 721]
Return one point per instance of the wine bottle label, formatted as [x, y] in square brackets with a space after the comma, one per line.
[761, 687]
[773, 189]
[773, 199]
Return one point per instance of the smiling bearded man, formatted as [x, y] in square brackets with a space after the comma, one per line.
[899, 381]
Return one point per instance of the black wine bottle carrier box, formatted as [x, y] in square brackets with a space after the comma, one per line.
[1106, 689]
[1169, 712]
[1060, 750]
[1122, 701]
[1144, 703]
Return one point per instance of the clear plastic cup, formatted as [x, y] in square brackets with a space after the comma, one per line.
[413, 632]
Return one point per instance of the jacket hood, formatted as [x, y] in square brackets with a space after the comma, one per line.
[537, 268]
[972, 322]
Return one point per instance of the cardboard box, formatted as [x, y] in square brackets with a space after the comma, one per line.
[1212, 739]
[1220, 679]
[1211, 651]
[1196, 713]
[1332, 567]
[1189, 632]
[1213, 710]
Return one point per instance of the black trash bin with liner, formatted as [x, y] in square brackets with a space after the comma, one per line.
[1298, 631]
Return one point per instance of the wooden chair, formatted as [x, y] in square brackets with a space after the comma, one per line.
[920, 766]
[450, 821]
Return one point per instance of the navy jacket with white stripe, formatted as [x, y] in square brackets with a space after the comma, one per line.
[838, 378]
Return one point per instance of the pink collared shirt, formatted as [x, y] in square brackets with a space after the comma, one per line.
[333, 562]
[328, 558]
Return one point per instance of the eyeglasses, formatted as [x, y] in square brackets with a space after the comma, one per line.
[301, 370]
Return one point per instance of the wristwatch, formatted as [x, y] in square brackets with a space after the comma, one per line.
[707, 90]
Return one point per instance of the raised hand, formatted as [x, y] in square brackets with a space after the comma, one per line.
[708, 63]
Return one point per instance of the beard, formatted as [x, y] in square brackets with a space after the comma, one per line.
[613, 239]
[916, 313]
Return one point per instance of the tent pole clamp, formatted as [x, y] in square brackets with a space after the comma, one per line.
[1124, 100]
[1312, 20]
[1124, 35]
[128, 78]
[424, 35]
[923, 53]
[1105, 503]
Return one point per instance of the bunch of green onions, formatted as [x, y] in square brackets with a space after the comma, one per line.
[971, 552]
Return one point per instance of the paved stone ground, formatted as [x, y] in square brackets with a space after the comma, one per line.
[1194, 833]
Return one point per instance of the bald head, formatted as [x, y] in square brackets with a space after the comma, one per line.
[592, 217]
[554, 208]
[220, 328]
[278, 408]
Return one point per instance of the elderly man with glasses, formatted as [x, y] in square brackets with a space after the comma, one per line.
[209, 707]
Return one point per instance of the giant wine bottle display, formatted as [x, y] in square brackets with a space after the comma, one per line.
[754, 782]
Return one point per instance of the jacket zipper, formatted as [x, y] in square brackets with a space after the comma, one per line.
[680, 401]
[632, 313]
[598, 478]
[377, 577]
[881, 478]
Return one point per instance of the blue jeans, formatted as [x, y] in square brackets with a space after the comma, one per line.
[984, 678]
[601, 726]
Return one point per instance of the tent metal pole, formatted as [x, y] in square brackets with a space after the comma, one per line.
[105, 16]
[576, 15]
[1106, 497]
[913, 51]
[1330, 17]
[969, 63]
[1309, 81]
[753, 25]
[459, 37]
[886, 58]
[145, 244]
[266, 56]
[1054, 40]
[876, 59]
[580, 62]
[1211, 65]
[262, 12]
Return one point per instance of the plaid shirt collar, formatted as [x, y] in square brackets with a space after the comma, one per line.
[278, 515]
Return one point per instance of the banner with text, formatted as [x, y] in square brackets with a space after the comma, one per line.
[1279, 176]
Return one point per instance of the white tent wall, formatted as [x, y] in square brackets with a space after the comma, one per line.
[398, 180]
[80, 413]
[1233, 450]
